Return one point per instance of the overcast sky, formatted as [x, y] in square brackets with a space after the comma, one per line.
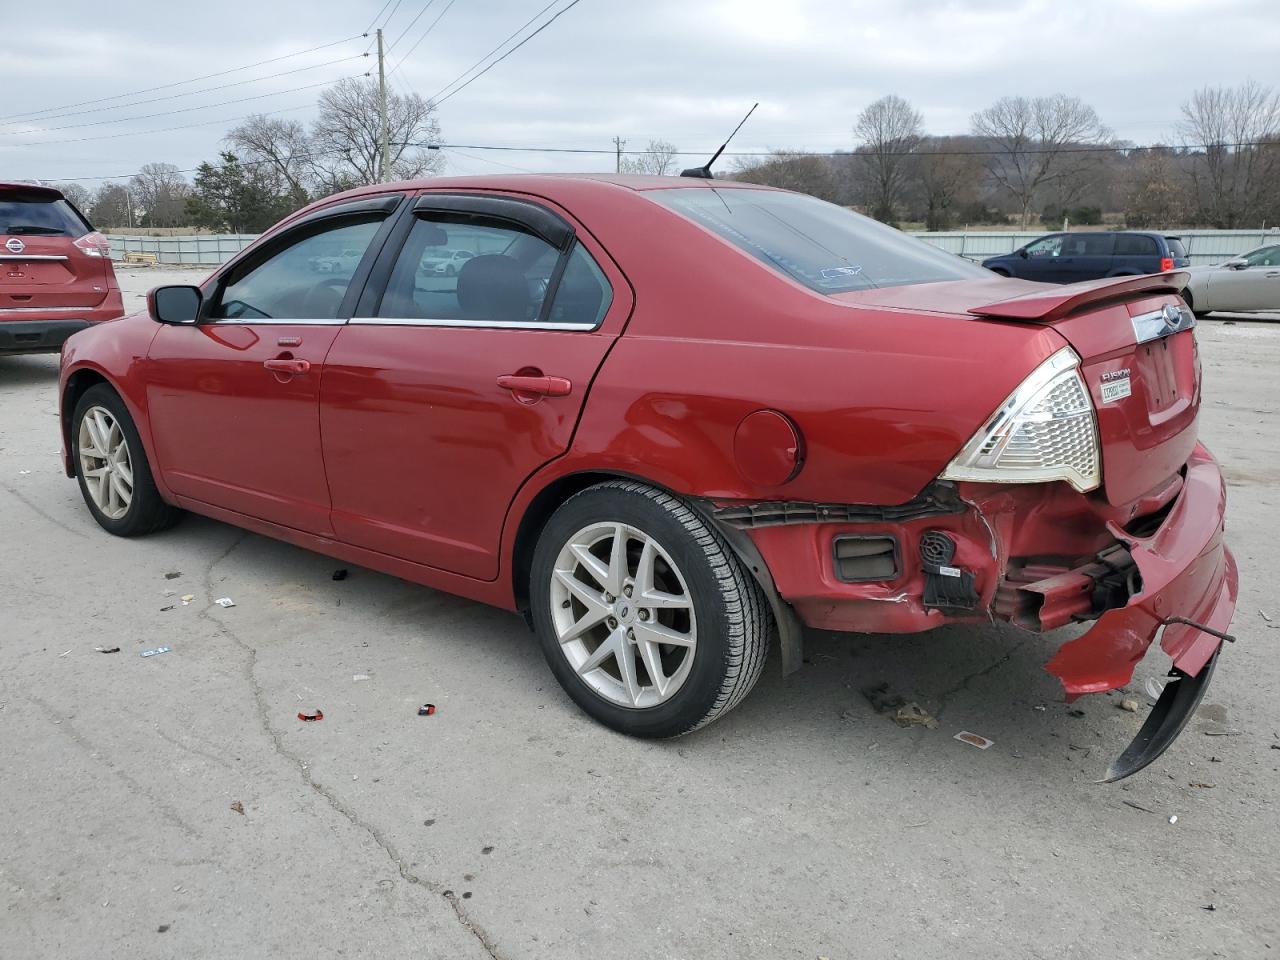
[679, 70]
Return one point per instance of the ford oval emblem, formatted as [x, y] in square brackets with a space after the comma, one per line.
[15, 245]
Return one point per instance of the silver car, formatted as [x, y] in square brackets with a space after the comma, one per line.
[1245, 284]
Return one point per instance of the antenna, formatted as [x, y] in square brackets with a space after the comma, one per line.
[704, 172]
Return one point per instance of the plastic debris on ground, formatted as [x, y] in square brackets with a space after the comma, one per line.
[427, 710]
[340, 574]
[1128, 705]
[1174, 818]
[913, 715]
[187, 598]
[358, 677]
[154, 651]
[225, 602]
[903, 712]
[107, 649]
[974, 739]
[318, 715]
[173, 575]
[168, 608]
[1155, 686]
[238, 807]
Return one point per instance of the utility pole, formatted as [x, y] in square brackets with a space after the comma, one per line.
[382, 113]
[619, 144]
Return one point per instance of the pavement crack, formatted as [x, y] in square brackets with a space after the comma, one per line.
[278, 744]
[40, 513]
[944, 698]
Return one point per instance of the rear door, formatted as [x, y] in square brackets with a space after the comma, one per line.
[234, 398]
[445, 393]
[41, 268]
[1087, 256]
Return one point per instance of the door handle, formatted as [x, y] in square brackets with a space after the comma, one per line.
[537, 385]
[293, 367]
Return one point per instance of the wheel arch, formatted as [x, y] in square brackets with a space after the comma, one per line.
[77, 384]
[547, 500]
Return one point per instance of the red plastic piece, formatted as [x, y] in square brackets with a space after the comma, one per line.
[318, 715]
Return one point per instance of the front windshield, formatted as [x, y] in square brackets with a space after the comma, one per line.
[825, 247]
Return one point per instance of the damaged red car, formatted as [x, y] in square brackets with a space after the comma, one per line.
[674, 421]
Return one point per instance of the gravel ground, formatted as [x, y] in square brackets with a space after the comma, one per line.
[175, 806]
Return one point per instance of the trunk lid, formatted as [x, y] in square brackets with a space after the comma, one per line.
[1138, 358]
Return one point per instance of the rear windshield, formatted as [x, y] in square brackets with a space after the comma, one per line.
[1176, 249]
[825, 247]
[37, 212]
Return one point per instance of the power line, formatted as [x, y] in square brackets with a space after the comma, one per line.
[425, 7]
[374, 22]
[511, 37]
[430, 27]
[178, 83]
[553, 19]
[192, 93]
[243, 163]
[167, 113]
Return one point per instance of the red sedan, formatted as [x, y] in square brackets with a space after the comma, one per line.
[670, 420]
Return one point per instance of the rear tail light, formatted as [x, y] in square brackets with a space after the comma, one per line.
[1044, 431]
[1166, 264]
[94, 244]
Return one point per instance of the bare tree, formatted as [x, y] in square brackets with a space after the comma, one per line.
[78, 195]
[1154, 197]
[1037, 143]
[1235, 132]
[280, 145]
[160, 193]
[659, 159]
[111, 207]
[890, 130]
[802, 172]
[348, 132]
[947, 173]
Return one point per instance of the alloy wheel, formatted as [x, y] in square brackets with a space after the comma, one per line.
[105, 463]
[623, 615]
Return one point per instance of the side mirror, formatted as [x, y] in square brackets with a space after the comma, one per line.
[1236, 264]
[175, 304]
[1022, 252]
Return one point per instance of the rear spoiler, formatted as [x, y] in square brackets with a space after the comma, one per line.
[1056, 302]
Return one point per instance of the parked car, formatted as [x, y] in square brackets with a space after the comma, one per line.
[55, 271]
[1089, 255]
[827, 423]
[1249, 283]
[447, 262]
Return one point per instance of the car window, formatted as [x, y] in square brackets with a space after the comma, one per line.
[25, 212]
[460, 268]
[1045, 247]
[583, 295]
[1266, 257]
[307, 280]
[1088, 245]
[825, 247]
[1132, 245]
[1176, 249]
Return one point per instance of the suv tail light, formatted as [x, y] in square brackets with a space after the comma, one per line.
[96, 245]
[1166, 264]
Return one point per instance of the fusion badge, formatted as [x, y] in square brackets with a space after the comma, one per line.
[1115, 385]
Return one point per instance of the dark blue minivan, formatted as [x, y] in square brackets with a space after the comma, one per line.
[1071, 257]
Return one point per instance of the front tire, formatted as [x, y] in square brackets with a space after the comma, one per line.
[644, 614]
[111, 467]
[1191, 305]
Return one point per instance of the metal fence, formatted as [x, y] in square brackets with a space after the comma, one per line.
[1203, 246]
[197, 250]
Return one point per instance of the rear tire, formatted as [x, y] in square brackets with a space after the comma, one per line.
[621, 569]
[111, 467]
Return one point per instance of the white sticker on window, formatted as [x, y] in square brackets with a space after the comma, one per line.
[1116, 389]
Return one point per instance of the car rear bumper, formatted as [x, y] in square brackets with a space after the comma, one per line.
[37, 336]
[34, 330]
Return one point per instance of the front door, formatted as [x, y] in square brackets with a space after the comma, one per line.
[234, 398]
[445, 393]
[1255, 286]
